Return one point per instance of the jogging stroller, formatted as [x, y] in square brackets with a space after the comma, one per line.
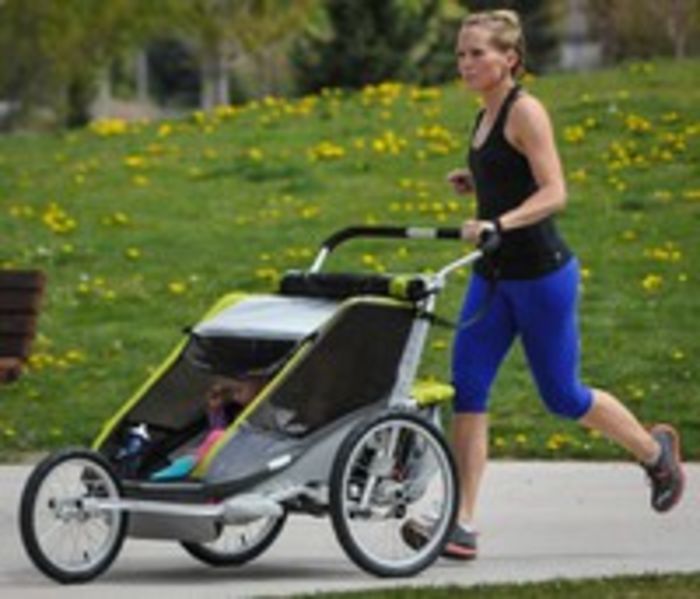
[335, 428]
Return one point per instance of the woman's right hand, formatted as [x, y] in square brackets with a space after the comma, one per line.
[461, 180]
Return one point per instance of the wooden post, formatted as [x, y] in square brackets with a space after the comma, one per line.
[20, 299]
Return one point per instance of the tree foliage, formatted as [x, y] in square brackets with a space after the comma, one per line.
[223, 30]
[646, 28]
[364, 41]
[57, 48]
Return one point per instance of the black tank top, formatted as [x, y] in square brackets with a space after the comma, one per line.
[504, 180]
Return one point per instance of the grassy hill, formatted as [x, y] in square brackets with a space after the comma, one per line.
[141, 227]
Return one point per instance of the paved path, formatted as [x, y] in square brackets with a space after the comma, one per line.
[538, 520]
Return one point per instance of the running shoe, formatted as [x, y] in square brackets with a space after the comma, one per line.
[666, 475]
[461, 543]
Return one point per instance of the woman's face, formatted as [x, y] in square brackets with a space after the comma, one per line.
[481, 64]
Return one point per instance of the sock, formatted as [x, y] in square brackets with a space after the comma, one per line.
[655, 459]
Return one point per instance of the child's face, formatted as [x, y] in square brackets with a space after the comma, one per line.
[215, 398]
[245, 390]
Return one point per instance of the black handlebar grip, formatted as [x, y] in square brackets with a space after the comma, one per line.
[449, 233]
[489, 240]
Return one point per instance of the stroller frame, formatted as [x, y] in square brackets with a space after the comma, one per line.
[314, 477]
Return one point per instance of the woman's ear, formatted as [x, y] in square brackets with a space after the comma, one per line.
[512, 60]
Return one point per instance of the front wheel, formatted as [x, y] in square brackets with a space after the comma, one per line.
[66, 535]
[238, 543]
[391, 472]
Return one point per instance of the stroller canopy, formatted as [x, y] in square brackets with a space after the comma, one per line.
[269, 317]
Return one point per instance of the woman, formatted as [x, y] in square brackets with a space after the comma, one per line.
[530, 284]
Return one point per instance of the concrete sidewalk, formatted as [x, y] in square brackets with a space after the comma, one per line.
[539, 520]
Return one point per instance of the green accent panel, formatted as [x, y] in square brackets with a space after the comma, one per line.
[398, 286]
[427, 393]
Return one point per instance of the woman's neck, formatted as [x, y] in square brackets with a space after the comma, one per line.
[493, 97]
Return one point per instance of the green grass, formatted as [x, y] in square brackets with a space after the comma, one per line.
[170, 217]
[680, 586]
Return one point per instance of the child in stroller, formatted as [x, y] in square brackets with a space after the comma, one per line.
[225, 399]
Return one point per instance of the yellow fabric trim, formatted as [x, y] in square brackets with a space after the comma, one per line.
[225, 302]
[398, 286]
[428, 393]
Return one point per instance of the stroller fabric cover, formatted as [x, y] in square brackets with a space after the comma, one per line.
[324, 359]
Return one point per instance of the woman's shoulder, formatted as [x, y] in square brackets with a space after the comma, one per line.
[526, 113]
[528, 121]
[527, 106]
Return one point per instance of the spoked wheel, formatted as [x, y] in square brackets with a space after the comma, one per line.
[238, 543]
[66, 536]
[391, 474]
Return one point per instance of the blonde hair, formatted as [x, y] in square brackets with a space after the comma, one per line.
[506, 33]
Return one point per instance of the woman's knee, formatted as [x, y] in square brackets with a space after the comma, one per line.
[469, 396]
[568, 402]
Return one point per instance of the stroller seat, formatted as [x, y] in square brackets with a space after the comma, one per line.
[345, 285]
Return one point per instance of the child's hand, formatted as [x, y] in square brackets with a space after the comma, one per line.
[461, 180]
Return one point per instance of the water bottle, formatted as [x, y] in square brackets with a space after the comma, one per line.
[130, 454]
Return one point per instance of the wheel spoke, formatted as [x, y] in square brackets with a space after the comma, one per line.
[409, 470]
[65, 541]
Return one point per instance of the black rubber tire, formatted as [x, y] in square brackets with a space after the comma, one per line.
[219, 559]
[336, 496]
[26, 519]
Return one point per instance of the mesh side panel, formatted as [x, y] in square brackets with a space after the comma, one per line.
[354, 364]
[174, 408]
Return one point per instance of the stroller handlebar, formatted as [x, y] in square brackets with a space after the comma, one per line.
[385, 232]
[390, 232]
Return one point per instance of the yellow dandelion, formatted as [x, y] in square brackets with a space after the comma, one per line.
[439, 344]
[177, 287]
[164, 130]
[135, 161]
[140, 181]
[652, 283]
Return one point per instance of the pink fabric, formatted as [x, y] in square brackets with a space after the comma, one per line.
[208, 442]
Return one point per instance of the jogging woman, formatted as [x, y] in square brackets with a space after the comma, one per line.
[531, 283]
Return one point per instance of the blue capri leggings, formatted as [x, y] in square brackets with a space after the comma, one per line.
[543, 312]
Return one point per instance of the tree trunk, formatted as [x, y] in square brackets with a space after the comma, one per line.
[141, 68]
[222, 96]
[215, 82]
[102, 105]
[678, 23]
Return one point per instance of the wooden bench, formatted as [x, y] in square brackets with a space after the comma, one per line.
[20, 299]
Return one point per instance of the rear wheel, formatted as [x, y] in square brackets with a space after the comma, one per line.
[238, 543]
[64, 533]
[390, 472]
